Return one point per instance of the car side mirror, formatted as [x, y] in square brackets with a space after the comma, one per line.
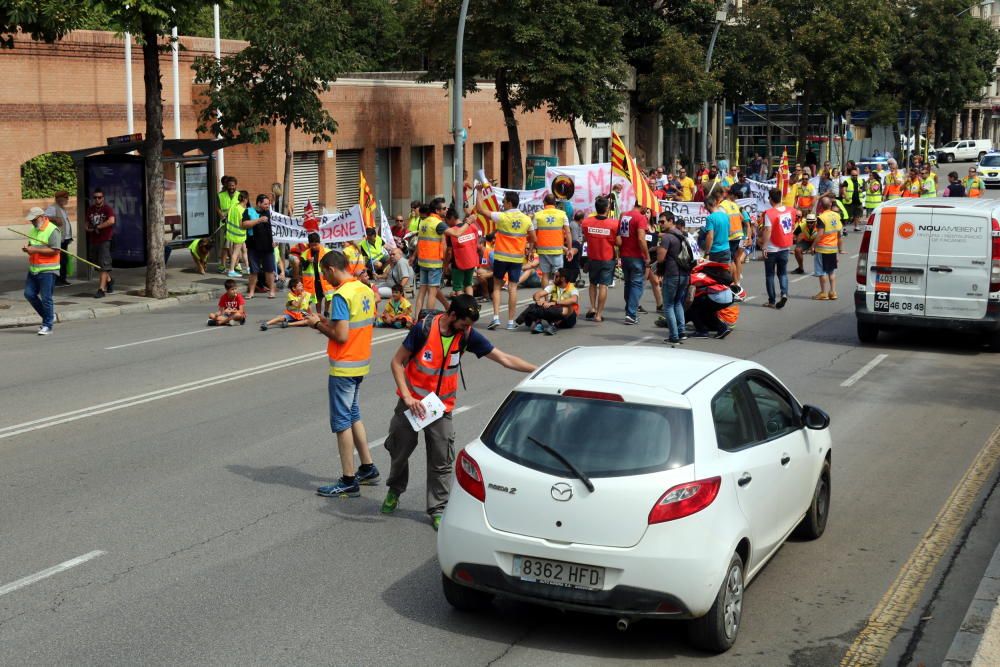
[814, 418]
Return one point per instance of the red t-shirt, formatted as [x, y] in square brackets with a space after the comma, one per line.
[227, 302]
[632, 225]
[600, 234]
[97, 215]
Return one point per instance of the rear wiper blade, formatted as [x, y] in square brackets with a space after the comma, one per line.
[562, 459]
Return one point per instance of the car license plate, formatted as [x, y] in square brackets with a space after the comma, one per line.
[558, 573]
[904, 279]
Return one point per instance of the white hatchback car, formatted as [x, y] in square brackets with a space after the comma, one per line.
[636, 482]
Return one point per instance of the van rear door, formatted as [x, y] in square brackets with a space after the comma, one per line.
[897, 264]
[958, 264]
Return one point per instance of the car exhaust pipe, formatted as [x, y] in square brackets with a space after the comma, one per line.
[622, 624]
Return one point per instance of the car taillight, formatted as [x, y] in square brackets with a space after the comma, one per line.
[862, 272]
[470, 477]
[995, 263]
[685, 499]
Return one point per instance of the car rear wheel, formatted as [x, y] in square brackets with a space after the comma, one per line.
[716, 631]
[464, 598]
[813, 525]
[867, 332]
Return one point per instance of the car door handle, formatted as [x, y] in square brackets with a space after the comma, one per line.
[941, 269]
[744, 479]
[785, 458]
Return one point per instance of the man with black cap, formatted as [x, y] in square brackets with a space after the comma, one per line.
[428, 362]
[43, 250]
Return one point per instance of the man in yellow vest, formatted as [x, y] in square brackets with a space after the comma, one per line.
[852, 193]
[43, 250]
[928, 186]
[513, 234]
[974, 184]
[552, 237]
[826, 245]
[428, 362]
[349, 328]
[413, 226]
[430, 254]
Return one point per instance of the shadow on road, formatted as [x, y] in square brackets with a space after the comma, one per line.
[536, 628]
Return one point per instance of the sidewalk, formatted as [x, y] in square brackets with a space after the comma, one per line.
[978, 641]
[77, 301]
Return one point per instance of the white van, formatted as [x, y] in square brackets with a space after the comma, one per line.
[930, 262]
[964, 150]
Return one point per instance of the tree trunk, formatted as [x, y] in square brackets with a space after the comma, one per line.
[576, 140]
[156, 274]
[770, 144]
[513, 138]
[803, 124]
[288, 171]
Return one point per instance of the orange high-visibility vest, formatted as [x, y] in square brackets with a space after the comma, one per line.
[353, 358]
[430, 248]
[549, 235]
[434, 369]
[893, 185]
[309, 277]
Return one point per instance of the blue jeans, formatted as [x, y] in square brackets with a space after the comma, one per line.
[38, 291]
[776, 261]
[675, 289]
[635, 274]
[344, 409]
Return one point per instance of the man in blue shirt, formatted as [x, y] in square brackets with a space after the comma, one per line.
[717, 230]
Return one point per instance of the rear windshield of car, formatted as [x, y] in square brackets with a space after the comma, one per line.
[990, 161]
[601, 438]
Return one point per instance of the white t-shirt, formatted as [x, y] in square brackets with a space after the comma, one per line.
[60, 216]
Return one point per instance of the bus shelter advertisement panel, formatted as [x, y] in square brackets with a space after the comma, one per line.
[122, 179]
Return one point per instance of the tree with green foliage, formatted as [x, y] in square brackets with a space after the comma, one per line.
[377, 32]
[522, 46]
[677, 83]
[278, 79]
[150, 23]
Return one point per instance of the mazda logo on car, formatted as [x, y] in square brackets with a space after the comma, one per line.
[562, 492]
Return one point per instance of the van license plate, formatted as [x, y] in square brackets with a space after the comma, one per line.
[558, 573]
[906, 279]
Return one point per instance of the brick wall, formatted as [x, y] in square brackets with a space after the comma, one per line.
[71, 95]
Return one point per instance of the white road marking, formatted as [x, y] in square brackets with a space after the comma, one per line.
[849, 382]
[855, 256]
[166, 392]
[48, 572]
[156, 340]
[750, 298]
[640, 341]
[457, 411]
[795, 280]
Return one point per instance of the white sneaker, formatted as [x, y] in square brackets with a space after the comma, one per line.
[44, 331]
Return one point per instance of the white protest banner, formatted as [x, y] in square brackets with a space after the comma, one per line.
[529, 201]
[584, 183]
[385, 232]
[333, 228]
[759, 190]
[693, 213]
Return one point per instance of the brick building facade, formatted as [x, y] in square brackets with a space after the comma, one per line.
[71, 95]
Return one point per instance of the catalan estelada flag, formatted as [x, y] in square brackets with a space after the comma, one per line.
[367, 202]
[624, 164]
[489, 199]
[783, 175]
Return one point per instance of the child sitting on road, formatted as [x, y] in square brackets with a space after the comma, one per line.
[231, 305]
[297, 306]
[398, 313]
[200, 248]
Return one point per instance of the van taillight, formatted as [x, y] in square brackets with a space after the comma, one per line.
[862, 272]
[995, 263]
[470, 477]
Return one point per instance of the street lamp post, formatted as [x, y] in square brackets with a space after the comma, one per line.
[459, 132]
[720, 18]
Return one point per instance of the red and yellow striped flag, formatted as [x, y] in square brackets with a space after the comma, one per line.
[489, 199]
[783, 175]
[367, 202]
[624, 164]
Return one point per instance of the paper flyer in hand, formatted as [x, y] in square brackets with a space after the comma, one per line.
[433, 410]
